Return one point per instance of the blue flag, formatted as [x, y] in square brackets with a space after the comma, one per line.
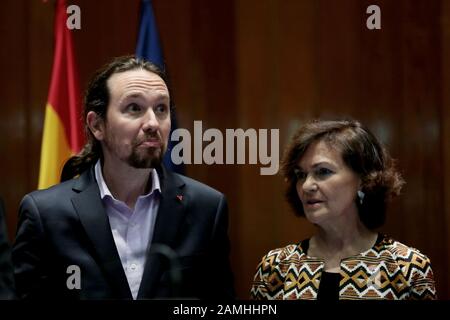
[149, 48]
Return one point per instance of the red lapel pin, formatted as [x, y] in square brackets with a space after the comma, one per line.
[180, 197]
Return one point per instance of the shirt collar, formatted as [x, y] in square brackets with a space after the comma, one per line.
[104, 190]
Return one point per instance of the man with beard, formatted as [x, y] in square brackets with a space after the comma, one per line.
[121, 226]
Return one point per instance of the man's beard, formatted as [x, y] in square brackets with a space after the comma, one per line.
[140, 158]
[148, 158]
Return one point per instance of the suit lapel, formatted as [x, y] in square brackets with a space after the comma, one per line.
[170, 215]
[93, 217]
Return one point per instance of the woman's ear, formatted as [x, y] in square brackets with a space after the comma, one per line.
[96, 125]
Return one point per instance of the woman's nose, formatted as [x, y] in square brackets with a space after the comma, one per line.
[309, 185]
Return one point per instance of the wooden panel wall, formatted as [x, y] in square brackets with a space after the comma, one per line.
[261, 64]
[445, 145]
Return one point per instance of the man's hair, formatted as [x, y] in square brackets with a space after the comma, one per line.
[361, 152]
[96, 99]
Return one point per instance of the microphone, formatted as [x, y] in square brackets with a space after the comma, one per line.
[174, 266]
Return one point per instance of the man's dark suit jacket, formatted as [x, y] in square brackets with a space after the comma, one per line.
[67, 225]
[6, 270]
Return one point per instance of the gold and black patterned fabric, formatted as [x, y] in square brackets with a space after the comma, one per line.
[389, 270]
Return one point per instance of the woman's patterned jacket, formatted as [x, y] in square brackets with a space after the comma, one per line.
[388, 270]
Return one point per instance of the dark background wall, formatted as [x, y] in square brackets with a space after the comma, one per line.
[260, 64]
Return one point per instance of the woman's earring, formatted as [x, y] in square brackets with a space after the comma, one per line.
[361, 196]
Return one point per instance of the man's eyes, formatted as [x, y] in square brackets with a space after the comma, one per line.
[161, 109]
[134, 108]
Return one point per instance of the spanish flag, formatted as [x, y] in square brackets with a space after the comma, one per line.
[62, 135]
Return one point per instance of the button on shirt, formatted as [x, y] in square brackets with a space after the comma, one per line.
[132, 229]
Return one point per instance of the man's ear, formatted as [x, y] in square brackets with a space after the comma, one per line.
[96, 125]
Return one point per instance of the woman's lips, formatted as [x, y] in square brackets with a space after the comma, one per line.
[313, 204]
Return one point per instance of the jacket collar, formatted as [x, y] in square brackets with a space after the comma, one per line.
[89, 208]
[170, 216]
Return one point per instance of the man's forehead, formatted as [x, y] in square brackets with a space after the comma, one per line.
[138, 79]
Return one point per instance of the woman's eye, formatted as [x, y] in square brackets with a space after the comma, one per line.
[322, 172]
[300, 175]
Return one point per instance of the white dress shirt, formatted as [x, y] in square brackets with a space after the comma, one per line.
[132, 229]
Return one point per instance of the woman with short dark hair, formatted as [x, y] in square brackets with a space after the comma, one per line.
[341, 178]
